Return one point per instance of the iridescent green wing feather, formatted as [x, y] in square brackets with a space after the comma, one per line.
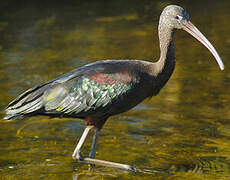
[86, 94]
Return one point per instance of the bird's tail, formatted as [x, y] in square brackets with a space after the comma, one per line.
[26, 104]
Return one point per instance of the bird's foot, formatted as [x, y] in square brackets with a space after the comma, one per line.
[91, 156]
[92, 162]
[109, 164]
[77, 156]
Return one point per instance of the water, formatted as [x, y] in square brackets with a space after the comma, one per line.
[182, 133]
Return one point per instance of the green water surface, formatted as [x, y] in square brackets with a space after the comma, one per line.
[183, 133]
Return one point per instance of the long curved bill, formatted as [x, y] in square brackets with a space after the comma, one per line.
[191, 29]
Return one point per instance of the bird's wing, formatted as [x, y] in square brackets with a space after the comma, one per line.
[77, 93]
[87, 94]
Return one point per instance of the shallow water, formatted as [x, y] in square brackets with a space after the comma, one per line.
[184, 132]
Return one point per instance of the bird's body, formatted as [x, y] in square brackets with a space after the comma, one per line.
[93, 92]
[99, 90]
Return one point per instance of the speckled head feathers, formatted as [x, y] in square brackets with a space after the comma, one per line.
[173, 16]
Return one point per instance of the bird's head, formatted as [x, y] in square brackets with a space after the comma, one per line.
[175, 17]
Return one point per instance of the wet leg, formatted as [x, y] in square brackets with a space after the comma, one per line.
[77, 152]
[77, 155]
[94, 144]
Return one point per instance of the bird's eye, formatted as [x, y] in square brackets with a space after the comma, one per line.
[179, 17]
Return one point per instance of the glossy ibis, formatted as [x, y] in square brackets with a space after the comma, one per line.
[99, 90]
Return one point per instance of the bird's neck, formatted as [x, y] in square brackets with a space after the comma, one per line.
[167, 50]
[163, 68]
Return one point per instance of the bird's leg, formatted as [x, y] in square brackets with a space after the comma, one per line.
[77, 153]
[94, 162]
[94, 144]
[109, 164]
[93, 147]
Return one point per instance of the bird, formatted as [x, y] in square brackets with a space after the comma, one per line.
[99, 90]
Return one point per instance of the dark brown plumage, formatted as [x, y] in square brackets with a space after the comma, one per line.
[99, 90]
